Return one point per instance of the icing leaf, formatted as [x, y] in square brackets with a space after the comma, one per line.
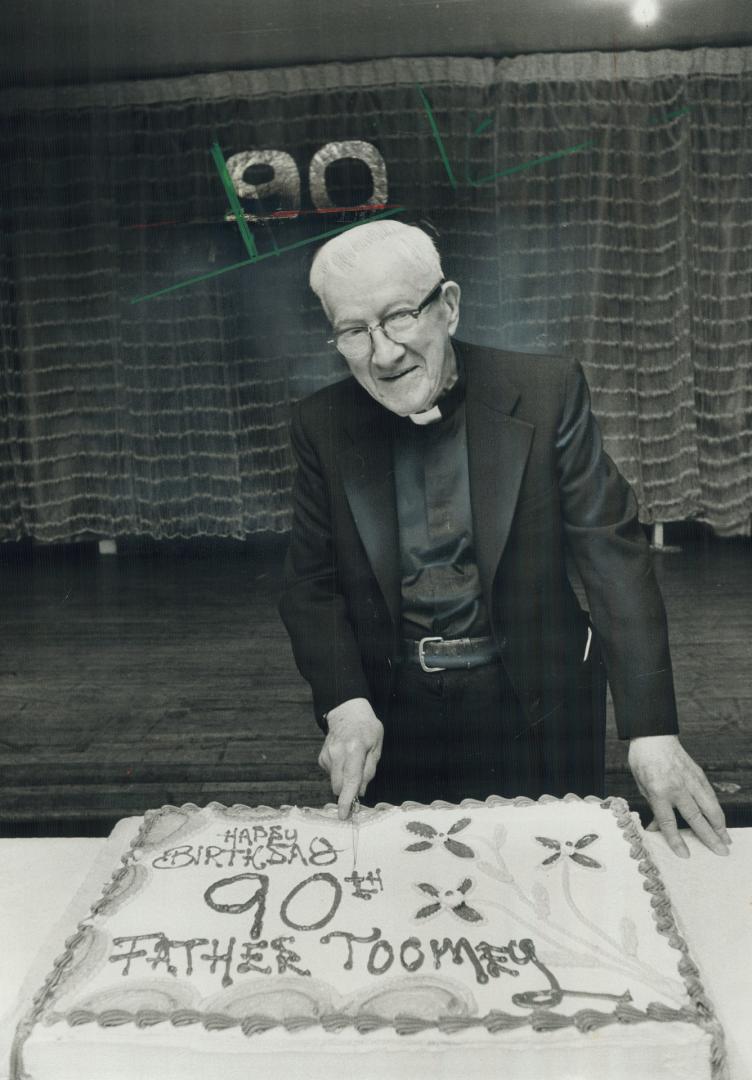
[459, 849]
[467, 913]
[421, 828]
[421, 845]
[629, 936]
[585, 860]
[548, 843]
[499, 836]
[552, 859]
[459, 825]
[466, 884]
[505, 874]
[426, 888]
[500, 872]
[430, 909]
[585, 840]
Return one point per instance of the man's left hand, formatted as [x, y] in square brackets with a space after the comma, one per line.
[670, 780]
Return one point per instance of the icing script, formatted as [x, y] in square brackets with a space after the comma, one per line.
[310, 905]
[296, 905]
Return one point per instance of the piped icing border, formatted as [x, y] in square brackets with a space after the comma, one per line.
[700, 1013]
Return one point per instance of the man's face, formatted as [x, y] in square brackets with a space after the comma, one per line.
[403, 378]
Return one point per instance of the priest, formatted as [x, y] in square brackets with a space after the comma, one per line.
[441, 492]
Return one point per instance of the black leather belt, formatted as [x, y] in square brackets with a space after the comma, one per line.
[438, 654]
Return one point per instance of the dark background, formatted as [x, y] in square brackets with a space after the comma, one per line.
[163, 674]
[46, 41]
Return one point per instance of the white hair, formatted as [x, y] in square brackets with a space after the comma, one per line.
[340, 256]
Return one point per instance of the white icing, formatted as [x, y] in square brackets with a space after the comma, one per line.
[653, 1052]
[448, 916]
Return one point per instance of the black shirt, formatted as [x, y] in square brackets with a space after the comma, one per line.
[441, 593]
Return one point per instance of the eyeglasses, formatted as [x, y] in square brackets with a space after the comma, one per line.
[356, 343]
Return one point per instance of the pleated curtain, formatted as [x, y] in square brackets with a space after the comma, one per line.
[594, 204]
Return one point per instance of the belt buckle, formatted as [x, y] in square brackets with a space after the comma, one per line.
[422, 654]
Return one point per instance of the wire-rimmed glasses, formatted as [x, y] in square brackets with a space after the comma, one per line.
[356, 342]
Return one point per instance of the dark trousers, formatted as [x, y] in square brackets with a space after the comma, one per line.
[462, 734]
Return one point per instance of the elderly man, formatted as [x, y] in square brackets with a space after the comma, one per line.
[426, 593]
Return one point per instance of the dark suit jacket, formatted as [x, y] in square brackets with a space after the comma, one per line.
[540, 484]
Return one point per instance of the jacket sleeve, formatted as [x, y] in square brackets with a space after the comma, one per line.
[312, 606]
[613, 557]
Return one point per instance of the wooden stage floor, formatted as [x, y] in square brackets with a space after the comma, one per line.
[164, 674]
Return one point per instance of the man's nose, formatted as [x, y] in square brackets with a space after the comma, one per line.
[386, 353]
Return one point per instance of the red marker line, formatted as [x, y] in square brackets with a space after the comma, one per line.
[332, 210]
[279, 214]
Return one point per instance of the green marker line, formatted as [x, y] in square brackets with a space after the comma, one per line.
[232, 195]
[483, 124]
[437, 136]
[260, 258]
[670, 116]
[193, 280]
[529, 164]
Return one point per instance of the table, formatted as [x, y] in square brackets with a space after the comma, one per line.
[711, 896]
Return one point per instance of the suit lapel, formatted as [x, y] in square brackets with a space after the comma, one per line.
[368, 478]
[498, 445]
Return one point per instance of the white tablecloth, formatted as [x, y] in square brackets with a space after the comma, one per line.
[711, 896]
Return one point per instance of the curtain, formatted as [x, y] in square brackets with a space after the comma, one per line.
[595, 204]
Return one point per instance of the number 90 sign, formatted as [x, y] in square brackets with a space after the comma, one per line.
[286, 183]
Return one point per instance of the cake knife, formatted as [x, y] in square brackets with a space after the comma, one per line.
[355, 822]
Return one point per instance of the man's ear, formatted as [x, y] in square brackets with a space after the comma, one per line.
[451, 297]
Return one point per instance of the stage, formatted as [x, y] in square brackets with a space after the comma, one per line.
[163, 674]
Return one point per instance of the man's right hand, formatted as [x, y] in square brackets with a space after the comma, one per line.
[351, 750]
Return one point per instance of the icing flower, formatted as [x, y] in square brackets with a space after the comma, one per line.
[431, 837]
[452, 900]
[575, 852]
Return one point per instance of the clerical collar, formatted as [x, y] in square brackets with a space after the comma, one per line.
[447, 403]
[430, 416]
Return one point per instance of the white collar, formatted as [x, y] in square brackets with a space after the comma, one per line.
[430, 416]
